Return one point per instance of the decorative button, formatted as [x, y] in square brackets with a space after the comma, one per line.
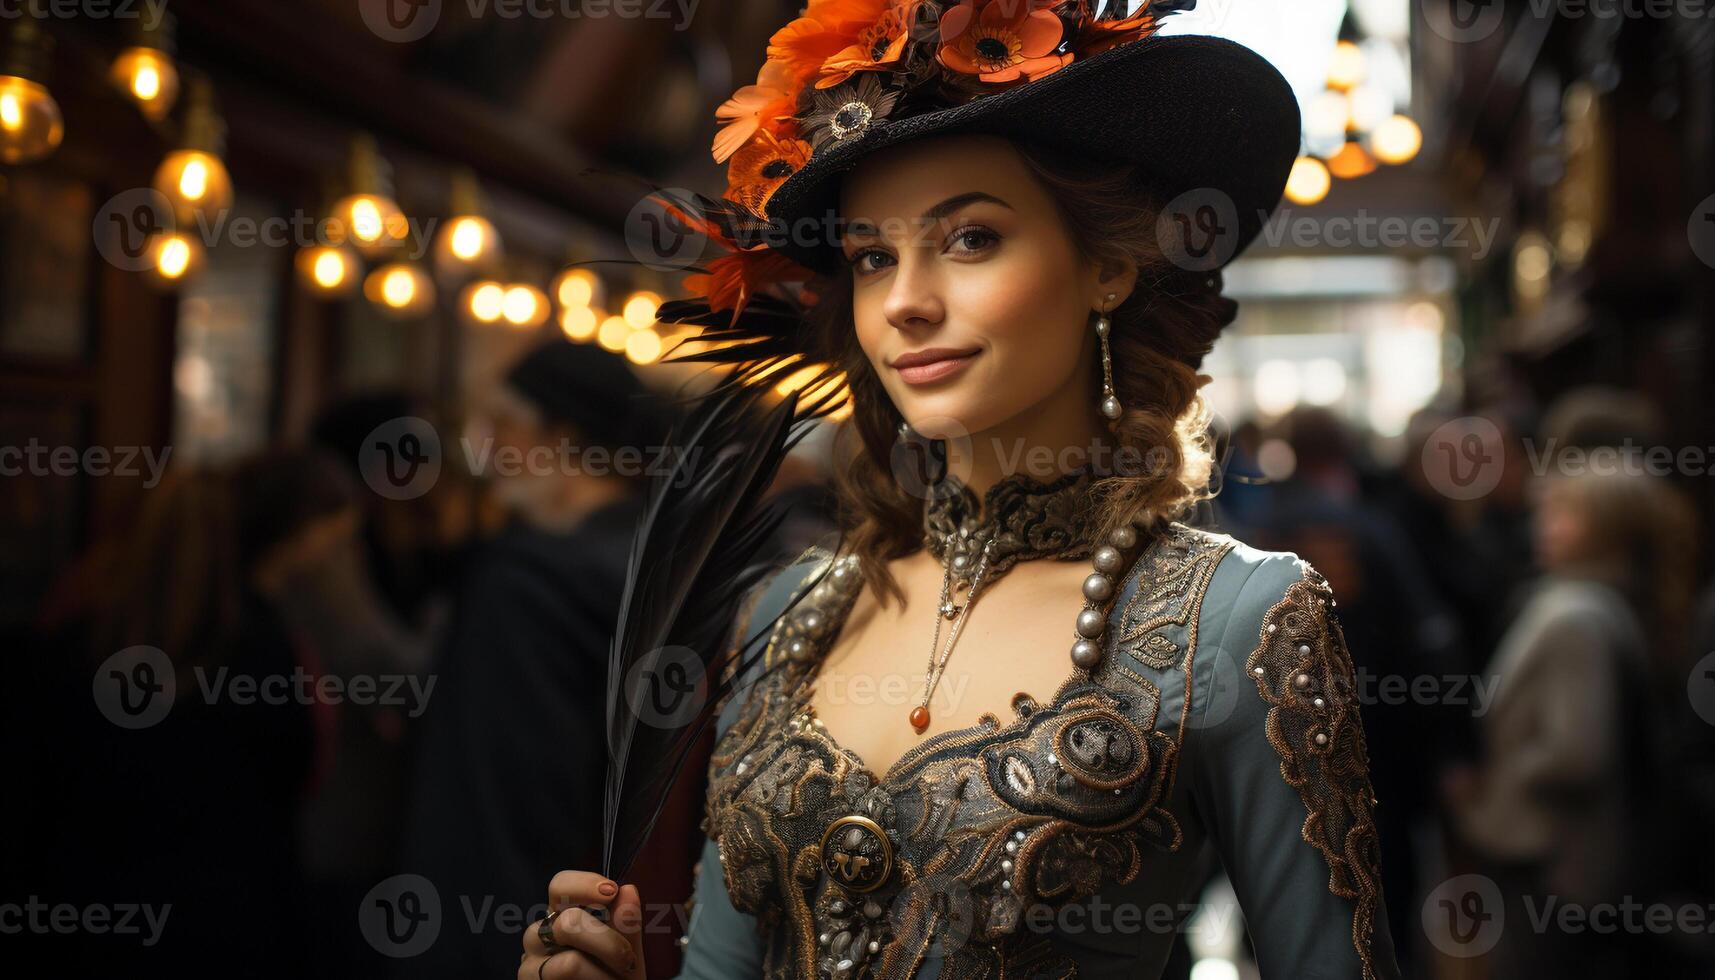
[856, 853]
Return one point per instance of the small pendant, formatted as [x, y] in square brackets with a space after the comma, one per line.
[950, 610]
[920, 718]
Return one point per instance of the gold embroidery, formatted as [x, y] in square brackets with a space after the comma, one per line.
[977, 824]
[1304, 672]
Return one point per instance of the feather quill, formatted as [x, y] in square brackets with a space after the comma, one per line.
[694, 555]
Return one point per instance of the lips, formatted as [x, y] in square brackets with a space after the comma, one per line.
[933, 364]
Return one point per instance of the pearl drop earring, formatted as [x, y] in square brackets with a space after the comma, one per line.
[1111, 407]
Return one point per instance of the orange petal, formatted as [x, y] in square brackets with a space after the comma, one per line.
[955, 22]
[733, 137]
[1039, 33]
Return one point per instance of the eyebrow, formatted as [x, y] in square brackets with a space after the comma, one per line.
[950, 205]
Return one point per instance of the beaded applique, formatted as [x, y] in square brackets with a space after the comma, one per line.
[1304, 672]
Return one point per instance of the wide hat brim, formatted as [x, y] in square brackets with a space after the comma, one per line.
[1212, 125]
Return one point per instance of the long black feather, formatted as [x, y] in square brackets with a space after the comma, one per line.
[694, 555]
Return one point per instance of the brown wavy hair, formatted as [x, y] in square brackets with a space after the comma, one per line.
[1159, 337]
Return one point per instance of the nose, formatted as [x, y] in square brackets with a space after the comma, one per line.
[914, 295]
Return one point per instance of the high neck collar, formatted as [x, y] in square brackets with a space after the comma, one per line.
[1026, 518]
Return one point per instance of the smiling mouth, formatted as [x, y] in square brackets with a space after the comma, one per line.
[918, 370]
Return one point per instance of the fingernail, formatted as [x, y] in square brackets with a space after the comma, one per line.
[608, 888]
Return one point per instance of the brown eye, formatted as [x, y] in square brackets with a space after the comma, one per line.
[975, 238]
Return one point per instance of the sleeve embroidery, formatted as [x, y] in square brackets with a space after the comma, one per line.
[1304, 672]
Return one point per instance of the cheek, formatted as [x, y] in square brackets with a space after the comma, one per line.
[1029, 319]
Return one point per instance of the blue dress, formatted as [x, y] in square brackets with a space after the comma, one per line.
[1074, 838]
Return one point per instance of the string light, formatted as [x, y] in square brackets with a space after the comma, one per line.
[485, 301]
[174, 258]
[192, 178]
[400, 290]
[367, 217]
[579, 323]
[328, 271]
[1396, 140]
[145, 70]
[577, 287]
[31, 127]
[525, 306]
[468, 240]
[1309, 181]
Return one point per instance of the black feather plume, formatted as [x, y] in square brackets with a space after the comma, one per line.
[694, 555]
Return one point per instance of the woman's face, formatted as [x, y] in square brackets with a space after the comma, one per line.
[957, 250]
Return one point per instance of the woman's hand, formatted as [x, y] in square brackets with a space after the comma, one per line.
[584, 947]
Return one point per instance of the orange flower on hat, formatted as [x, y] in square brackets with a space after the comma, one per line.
[879, 44]
[1002, 40]
[828, 28]
[760, 166]
[768, 105]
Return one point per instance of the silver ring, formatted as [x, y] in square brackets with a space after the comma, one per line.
[545, 932]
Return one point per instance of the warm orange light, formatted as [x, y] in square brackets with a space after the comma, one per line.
[1308, 183]
[640, 308]
[577, 287]
[525, 306]
[174, 259]
[612, 333]
[1346, 68]
[643, 346]
[369, 221]
[193, 182]
[30, 123]
[400, 290]
[485, 301]
[1351, 162]
[1396, 140]
[328, 271]
[149, 77]
[579, 322]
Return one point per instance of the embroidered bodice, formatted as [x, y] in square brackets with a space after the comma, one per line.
[1222, 716]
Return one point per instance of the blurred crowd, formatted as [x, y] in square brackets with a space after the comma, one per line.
[1524, 657]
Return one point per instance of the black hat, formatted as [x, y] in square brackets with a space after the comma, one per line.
[1211, 124]
[592, 390]
[1211, 127]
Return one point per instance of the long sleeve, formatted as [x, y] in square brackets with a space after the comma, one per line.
[1281, 780]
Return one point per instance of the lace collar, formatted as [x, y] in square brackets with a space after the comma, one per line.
[1026, 518]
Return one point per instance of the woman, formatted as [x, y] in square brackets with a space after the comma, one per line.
[1009, 291]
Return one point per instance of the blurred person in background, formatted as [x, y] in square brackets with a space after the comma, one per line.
[525, 660]
[1567, 803]
[195, 810]
[414, 547]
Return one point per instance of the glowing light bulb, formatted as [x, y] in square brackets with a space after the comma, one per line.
[149, 77]
[577, 287]
[1396, 140]
[174, 258]
[579, 322]
[643, 346]
[612, 333]
[31, 127]
[1346, 68]
[400, 289]
[640, 308]
[525, 306]
[486, 301]
[193, 182]
[369, 221]
[327, 271]
[469, 238]
[1309, 182]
